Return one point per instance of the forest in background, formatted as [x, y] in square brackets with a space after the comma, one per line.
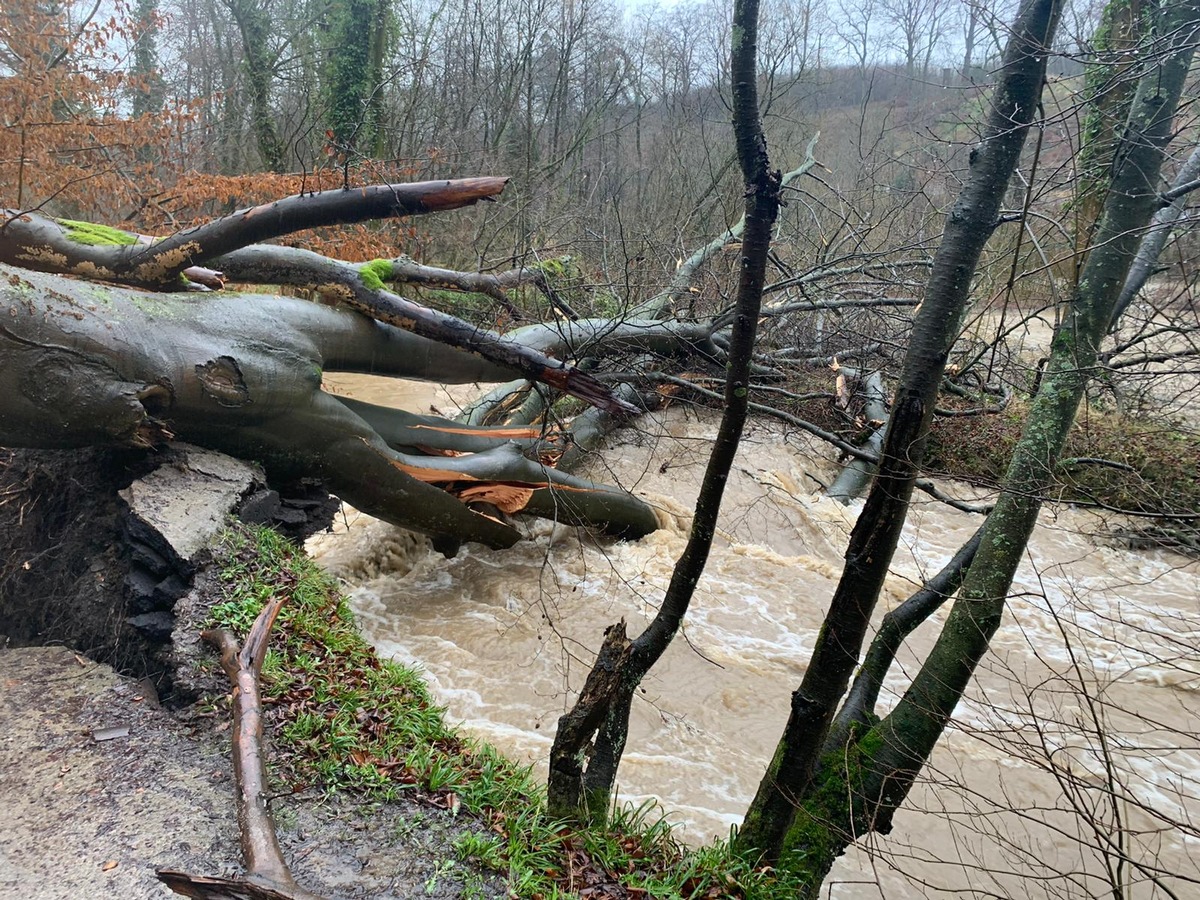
[609, 120]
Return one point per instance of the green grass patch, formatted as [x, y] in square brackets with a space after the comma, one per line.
[341, 719]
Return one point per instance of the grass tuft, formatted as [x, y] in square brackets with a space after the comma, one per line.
[342, 719]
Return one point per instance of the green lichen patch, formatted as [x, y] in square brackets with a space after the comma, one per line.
[375, 273]
[96, 235]
[166, 267]
[831, 816]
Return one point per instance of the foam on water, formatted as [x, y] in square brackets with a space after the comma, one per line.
[506, 639]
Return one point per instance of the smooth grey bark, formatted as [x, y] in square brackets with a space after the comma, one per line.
[598, 338]
[856, 475]
[37, 242]
[1156, 238]
[85, 364]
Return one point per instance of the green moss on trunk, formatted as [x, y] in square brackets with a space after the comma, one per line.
[375, 273]
[96, 235]
[831, 816]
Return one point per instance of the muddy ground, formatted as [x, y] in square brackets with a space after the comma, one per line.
[99, 787]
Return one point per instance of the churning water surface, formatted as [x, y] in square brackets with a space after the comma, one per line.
[1077, 743]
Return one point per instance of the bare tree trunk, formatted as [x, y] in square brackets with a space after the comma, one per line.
[604, 711]
[906, 737]
[873, 541]
[1154, 241]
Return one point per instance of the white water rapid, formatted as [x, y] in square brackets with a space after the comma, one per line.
[1093, 679]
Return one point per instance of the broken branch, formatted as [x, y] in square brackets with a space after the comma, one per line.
[267, 874]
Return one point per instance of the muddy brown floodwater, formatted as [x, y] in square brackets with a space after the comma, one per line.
[1092, 689]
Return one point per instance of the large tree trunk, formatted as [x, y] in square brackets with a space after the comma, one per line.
[86, 364]
[83, 364]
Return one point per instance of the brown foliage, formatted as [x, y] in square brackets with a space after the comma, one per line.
[67, 144]
[70, 147]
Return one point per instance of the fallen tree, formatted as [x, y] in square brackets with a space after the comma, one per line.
[86, 363]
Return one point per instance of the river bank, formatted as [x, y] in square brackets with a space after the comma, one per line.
[474, 621]
[375, 796]
[101, 787]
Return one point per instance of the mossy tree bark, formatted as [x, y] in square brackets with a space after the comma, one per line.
[907, 735]
[865, 770]
[258, 65]
[357, 46]
[789, 777]
[36, 242]
[1108, 91]
[85, 364]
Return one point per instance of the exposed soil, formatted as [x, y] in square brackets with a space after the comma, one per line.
[99, 785]
[63, 559]
[80, 569]
[90, 814]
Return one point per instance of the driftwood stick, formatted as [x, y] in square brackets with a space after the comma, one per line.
[267, 874]
[203, 887]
